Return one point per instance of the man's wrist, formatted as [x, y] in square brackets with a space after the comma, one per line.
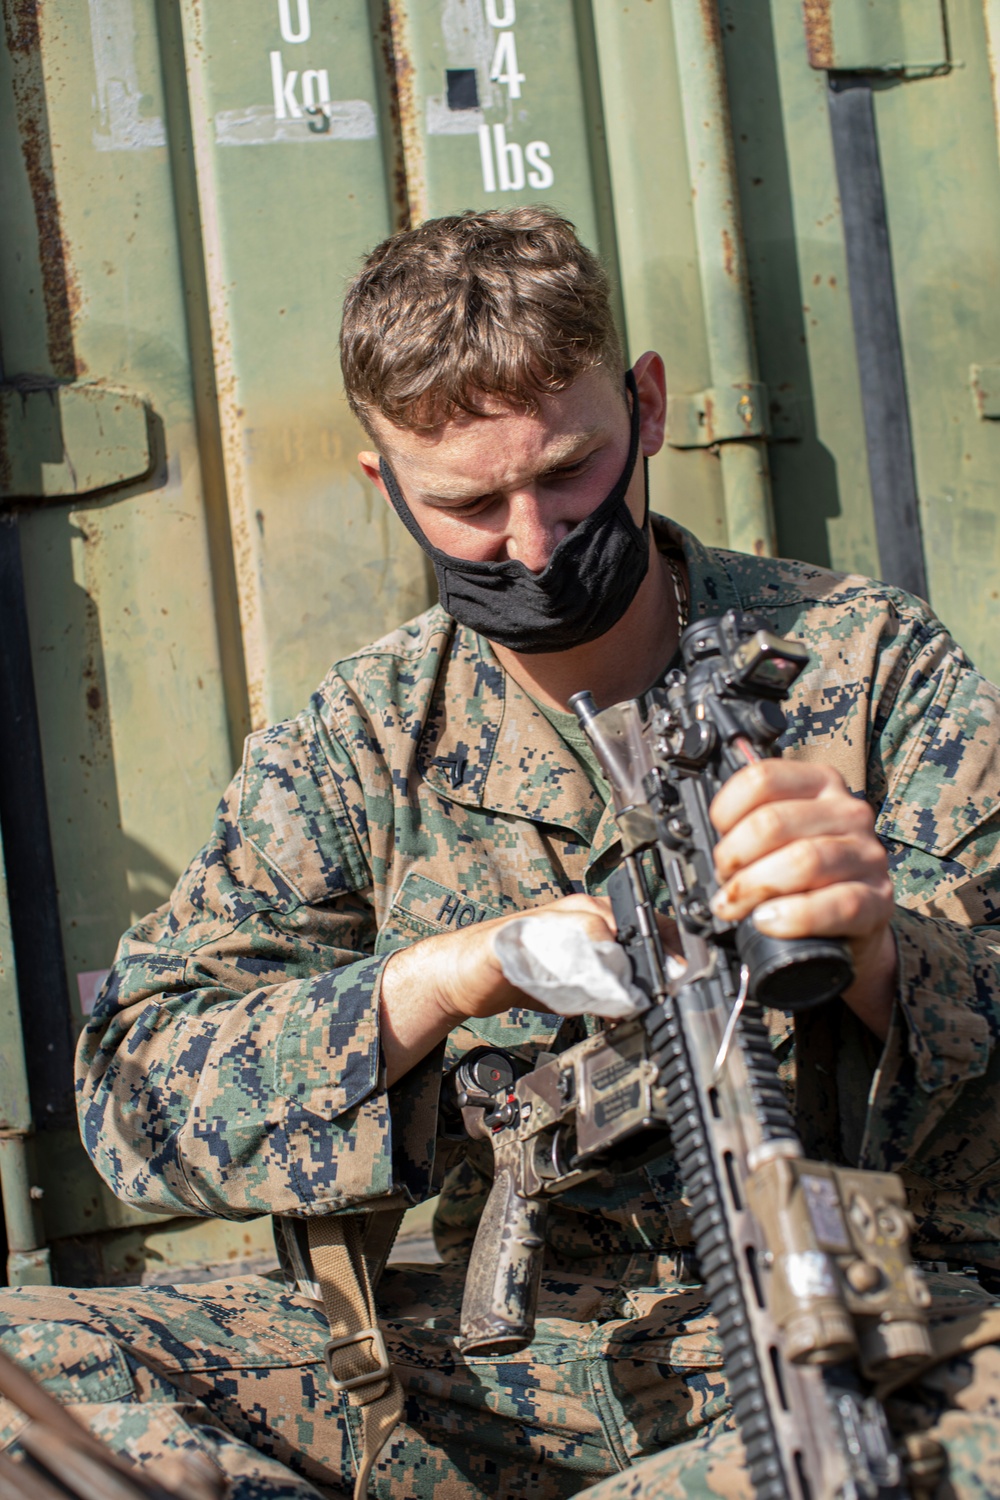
[419, 1004]
[872, 996]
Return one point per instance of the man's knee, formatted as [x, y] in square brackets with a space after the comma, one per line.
[707, 1467]
[50, 1337]
[76, 1345]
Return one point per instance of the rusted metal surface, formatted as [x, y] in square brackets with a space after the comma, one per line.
[888, 430]
[711, 24]
[121, 628]
[393, 150]
[60, 287]
[991, 17]
[28, 1259]
[938, 150]
[203, 378]
[819, 32]
[725, 285]
[985, 383]
[159, 1252]
[656, 244]
[718, 416]
[286, 439]
[797, 269]
[230, 413]
[412, 188]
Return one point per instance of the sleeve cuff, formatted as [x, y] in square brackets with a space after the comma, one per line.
[937, 1042]
[328, 1065]
[947, 1039]
[327, 1055]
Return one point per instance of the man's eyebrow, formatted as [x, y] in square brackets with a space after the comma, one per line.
[569, 445]
[558, 454]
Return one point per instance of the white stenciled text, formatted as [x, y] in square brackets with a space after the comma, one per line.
[296, 91]
[507, 166]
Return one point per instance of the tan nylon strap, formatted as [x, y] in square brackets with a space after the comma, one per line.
[960, 1336]
[356, 1355]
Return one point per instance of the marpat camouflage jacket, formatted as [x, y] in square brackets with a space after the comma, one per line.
[232, 1066]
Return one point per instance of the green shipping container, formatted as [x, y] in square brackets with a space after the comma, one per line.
[799, 203]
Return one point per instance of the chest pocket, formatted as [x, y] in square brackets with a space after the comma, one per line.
[423, 907]
[294, 791]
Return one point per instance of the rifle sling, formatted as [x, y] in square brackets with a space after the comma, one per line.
[348, 1252]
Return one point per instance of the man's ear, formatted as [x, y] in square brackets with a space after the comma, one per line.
[370, 464]
[651, 383]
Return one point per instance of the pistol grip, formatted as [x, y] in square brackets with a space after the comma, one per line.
[501, 1288]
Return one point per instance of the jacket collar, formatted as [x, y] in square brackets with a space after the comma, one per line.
[711, 590]
[485, 744]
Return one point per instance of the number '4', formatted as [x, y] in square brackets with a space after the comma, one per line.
[503, 68]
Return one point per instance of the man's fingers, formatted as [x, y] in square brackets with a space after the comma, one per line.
[853, 909]
[800, 853]
[596, 916]
[777, 825]
[772, 781]
[806, 864]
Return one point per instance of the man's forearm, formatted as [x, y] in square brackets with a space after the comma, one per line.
[413, 1014]
[443, 981]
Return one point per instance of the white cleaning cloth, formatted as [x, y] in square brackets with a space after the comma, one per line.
[555, 961]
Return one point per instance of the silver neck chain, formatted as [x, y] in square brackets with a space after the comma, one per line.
[680, 595]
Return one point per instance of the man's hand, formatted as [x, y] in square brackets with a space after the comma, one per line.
[800, 852]
[437, 984]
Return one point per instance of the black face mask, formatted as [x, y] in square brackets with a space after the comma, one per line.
[585, 587]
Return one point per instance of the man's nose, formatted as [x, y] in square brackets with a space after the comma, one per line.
[533, 531]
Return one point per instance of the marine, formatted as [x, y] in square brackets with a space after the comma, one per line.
[273, 1039]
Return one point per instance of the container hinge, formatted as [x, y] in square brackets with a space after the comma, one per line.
[61, 442]
[724, 414]
[902, 37]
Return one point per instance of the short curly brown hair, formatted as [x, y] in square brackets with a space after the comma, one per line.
[506, 303]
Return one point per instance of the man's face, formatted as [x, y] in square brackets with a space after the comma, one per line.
[512, 484]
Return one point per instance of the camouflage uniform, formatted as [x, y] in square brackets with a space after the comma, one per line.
[233, 1067]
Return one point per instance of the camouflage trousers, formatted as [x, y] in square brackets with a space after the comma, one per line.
[622, 1390]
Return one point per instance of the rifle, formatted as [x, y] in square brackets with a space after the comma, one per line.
[807, 1265]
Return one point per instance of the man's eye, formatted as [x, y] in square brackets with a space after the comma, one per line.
[470, 507]
[569, 471]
